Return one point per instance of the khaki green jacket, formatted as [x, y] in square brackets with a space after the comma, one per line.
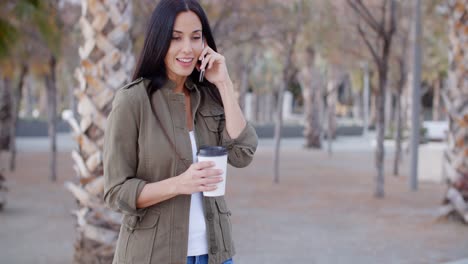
[137, 152]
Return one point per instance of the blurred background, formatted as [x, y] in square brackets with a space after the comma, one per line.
[361, 107]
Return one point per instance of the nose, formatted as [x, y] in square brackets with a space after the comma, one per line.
[187, 46]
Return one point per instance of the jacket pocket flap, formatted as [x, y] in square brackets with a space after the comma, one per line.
[211, 111]
[222, 207]
[148, 221]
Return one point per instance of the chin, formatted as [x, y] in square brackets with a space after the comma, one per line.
[184, 73]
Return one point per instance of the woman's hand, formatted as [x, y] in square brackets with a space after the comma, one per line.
[199, 177]
[215, 66]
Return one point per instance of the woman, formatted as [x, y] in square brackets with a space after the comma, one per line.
[154, 129]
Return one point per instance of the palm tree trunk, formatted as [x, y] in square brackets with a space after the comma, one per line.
[97, 226]
[455, 99]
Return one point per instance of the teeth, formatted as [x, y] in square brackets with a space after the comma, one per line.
[185, 60]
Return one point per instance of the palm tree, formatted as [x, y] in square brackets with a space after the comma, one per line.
[106, 64]
[456, 98]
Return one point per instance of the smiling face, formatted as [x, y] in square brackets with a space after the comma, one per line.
[186, 46]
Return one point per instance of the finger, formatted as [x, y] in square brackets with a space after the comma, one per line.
[205, 173]
[205, 61]
[203, 165]
[204, 52]
[202, 188]
[218, 59]
[211, 62]
[211, 181]
[200, 175]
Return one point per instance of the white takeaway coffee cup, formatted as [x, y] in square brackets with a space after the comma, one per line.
[218, 155]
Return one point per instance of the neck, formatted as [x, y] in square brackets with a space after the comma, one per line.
[180, 82]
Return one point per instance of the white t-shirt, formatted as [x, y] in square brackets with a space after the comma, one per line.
[198, 240]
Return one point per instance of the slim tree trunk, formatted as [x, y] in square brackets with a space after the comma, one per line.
[245, 75]
[311, 84]
[29, 98]
[285, 78]
[316, 122]
[366, 96]
[331, 113]
[16, 109]
[388, 110]
[3, 191]
[436, 101]
[6, 114]
[380, 151]
[373, 109]
[51, 90]
[278, 125]
[384, 29]
[398, 136]
[244, 85]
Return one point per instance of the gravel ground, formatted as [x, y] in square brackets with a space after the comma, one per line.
[322, 211]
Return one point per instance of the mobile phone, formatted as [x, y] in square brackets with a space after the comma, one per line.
[202, 72]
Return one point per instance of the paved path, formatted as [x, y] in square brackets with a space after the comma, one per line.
[321, 212]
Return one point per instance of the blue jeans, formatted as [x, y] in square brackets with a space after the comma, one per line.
[203, 259]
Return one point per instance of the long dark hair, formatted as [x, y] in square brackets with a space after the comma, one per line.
[158, 38]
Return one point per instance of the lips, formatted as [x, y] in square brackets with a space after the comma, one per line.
[185, 60]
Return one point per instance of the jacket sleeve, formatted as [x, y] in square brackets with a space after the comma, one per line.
[242, 148]
[120, 157]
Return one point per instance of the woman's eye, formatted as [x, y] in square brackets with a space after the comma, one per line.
[176, 38]
[197, 37]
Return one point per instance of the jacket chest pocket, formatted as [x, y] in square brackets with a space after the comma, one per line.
[224, 223]
[136, 239]
[214, 121]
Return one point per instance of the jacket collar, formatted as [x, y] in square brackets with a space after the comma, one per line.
[189, 84]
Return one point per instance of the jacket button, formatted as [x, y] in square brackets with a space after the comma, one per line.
[214, 250]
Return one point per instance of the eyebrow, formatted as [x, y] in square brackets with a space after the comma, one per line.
[195, 31]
